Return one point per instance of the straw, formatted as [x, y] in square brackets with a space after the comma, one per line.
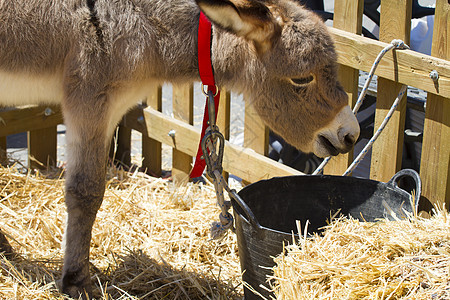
[405, 259]
[150, 240]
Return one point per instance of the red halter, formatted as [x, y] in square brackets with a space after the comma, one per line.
[207, 77]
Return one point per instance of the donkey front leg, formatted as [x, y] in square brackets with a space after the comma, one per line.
[87, 143]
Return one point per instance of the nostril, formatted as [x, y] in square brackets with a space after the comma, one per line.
[349, 140]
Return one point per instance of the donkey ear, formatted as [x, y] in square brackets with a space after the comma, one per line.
[250, 19]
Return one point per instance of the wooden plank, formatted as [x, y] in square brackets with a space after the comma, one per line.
[183, 109]
[395, 23]
[435, 161]
[42, 144]
[23, 118]
[347, 16]
[255, 167]
[151, 148]
[405, 66]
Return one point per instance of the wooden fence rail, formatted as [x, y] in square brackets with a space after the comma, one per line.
[355, 53]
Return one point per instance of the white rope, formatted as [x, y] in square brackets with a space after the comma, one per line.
[366, 149]
[219, 228]
[395, 44]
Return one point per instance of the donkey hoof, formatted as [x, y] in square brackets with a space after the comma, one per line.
[76, 285]
[76, 292]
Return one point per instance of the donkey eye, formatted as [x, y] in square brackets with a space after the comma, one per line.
[302, 80]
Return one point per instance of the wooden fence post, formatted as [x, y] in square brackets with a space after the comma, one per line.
[42, 144]
[395, 23]
[151, 149]
[183, 109]
[3, 149]
[435, 161]
[122, 145]
[348, 17]
[42, 139]
[256, 133]
[223, 117]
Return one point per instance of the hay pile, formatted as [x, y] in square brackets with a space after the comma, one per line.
[408, 259]
[150, 240]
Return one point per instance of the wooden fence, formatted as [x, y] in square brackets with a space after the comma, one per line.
[355, 53]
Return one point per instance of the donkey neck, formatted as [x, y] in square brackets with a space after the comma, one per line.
[236, 65]
[177, 51]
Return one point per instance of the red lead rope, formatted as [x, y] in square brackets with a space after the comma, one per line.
[207, 77]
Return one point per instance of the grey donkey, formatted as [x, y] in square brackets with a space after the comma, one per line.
[98, 58]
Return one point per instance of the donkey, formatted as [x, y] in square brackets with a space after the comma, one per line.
[98, 58]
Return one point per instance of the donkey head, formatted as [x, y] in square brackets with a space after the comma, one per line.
[285, 63]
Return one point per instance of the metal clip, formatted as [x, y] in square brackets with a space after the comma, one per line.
[212, 110]
[213, 156]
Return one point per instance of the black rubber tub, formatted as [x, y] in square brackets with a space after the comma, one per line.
[266, 213]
